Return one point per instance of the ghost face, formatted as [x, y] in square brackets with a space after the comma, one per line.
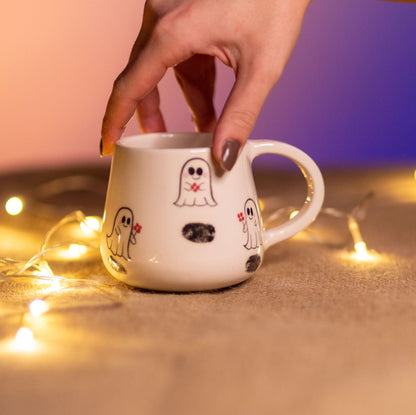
[195, 173]
[195, 184]
[124, 219]
[121, 236]
[250, 212]
[252, 225]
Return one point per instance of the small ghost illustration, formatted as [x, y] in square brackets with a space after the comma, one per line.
[122, 234]
[195, 184]
[251, 225]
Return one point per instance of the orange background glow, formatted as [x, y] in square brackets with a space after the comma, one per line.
[347, 92]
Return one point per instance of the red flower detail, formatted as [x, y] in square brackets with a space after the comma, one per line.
[195, 187]
[240, 217]
[137, 228]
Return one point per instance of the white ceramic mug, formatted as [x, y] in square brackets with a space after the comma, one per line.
[174, 222]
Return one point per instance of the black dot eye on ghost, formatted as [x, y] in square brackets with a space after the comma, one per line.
[123, 220]
[250, 211]
[191, 171]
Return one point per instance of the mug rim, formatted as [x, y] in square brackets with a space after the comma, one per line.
[166, 141]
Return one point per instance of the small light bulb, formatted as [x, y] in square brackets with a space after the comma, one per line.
[24, 340]
[54, 285]
[293, 214]
[76, 250]
[90, 224]
[361, 252]
[43, 271]
[38, 307]
[14, 206]
[261, 205]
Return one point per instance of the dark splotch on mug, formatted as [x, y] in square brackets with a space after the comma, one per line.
[199, 232]
[253, 263]
[115, 265]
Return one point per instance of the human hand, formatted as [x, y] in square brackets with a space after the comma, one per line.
[254, 37]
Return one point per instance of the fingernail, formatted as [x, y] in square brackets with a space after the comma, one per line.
[229, 155]
[101, 148]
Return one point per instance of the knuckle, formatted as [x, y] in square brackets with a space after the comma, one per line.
[265, 67]
[165, 27]
[120, 84]
[268, 74]
[170, 25]
[243, 119]
[168, 40]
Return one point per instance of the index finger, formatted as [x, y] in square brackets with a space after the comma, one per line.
[131, 86]
[152, 55]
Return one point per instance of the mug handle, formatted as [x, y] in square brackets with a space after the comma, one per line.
[315, 182]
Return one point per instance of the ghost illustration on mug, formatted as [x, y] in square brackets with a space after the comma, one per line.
[252, 225]
[122, 234]
[195, 184]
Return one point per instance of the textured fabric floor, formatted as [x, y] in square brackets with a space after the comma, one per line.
[314, 331]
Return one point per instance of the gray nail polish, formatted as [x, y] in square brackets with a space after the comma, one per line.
[229, 155]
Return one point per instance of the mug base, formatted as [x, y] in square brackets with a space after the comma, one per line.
[179, 281]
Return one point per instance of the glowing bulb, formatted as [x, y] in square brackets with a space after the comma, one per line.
[54, 285]
[90, 225]
[261, 205]
[38, 307]
[76, 250]
[361, 252]
[293, 214]
[43, 272]
[14, 206]
[24, 340]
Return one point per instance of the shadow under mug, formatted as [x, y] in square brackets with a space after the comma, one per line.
[174, 222]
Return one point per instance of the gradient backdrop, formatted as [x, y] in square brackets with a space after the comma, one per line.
[347, 96]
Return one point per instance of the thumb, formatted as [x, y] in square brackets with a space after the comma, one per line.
[239, 115]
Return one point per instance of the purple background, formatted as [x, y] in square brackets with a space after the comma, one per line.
[348, 94]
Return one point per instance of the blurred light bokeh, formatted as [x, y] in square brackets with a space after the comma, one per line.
[347, 96]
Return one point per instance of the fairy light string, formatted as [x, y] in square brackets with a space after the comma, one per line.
[82, 235]
[71, 238]
[361, 253]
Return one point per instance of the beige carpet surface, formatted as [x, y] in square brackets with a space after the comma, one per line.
[314, 331]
